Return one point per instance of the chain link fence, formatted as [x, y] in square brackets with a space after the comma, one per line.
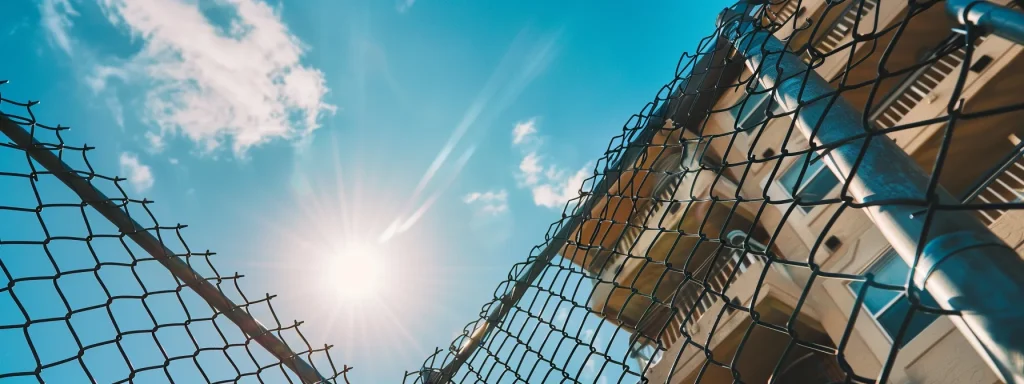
[775, 211]
[94, 289]
[773, 214]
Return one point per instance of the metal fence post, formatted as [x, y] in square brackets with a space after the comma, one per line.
[991, 18]
[962, 264]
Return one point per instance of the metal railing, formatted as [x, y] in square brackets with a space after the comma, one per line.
[784, 14]
[956, 257]
[918, 87]
[694, 299]
[522, 335]
[843, 25]
[1004, 184]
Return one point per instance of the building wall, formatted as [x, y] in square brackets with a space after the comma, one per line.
[940, 354]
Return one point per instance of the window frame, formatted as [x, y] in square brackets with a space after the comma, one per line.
[875, 316]
[745, 110]
[807, 179]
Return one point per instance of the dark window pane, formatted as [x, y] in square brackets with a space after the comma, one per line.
[875, 298]
[751, 111]
[891, 269]
[894, 315]
[818, 187]
[789, 178]
[818, 180]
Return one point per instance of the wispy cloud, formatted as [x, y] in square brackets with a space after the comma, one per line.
[530, 169]
[404, 5]
[116, 110]
[139, 175]
[155, 143]
[562, 316]
[489, 202]
[522, 63]
[524, 131]
[550, 185]
[238, 85]
[405, 222]
[56, 18]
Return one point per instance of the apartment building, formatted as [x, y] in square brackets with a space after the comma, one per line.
[656, 240]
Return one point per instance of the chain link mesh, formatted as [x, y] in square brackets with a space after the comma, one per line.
[82, 301]
[712, 244]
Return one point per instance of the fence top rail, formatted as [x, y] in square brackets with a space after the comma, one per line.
[116, 211]
[646, 261]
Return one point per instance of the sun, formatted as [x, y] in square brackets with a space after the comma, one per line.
[354, 272]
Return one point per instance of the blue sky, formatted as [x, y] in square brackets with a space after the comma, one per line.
[439, 139]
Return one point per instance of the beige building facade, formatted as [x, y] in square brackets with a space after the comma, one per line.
[655, 241]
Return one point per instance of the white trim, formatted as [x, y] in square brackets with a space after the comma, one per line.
[885, 308]
[874, 316]
[815, 211]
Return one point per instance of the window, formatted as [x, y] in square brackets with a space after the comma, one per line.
[817, 182]
[888, 307]
[647, 353]
[752, 111]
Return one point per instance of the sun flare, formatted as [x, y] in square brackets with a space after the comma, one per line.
[354, 272]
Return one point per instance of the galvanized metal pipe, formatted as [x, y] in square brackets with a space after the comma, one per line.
[180, 269]
[963, 265]
[991, 18]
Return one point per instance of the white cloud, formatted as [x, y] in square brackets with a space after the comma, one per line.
[155, 141]
[240, 84]
[139, 175]
[173, 161]
[555, 193]
[551, 186]
[530, 169]
[56, 18]
[97, 80]
[489, 202]
[524, 131]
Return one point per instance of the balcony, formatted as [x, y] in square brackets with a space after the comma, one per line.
[666, 244]
[977, 144]
[920, 86]
[1004, 184]
[697, 296]
[842, 27]
[684, 362]
[925, 63]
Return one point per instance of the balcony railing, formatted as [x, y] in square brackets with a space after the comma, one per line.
[843, 25]
[695, 299]
[919, 86]
[700, 299]
[1003, 184]
[783, 14]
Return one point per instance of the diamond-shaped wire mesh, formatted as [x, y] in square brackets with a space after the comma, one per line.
[714, 241]
[89, 296]
[717, 240]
